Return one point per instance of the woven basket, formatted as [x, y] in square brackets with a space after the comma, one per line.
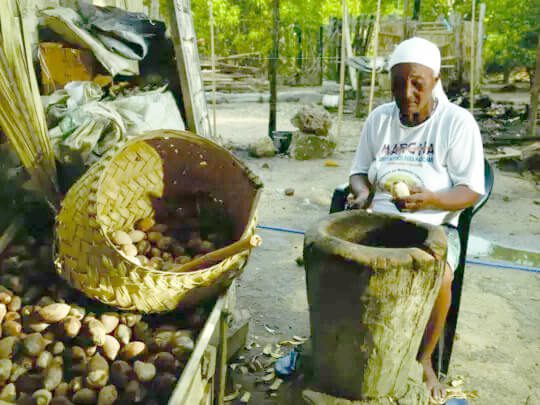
[119, 190]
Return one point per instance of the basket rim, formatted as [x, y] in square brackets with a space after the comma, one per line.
[184, 135]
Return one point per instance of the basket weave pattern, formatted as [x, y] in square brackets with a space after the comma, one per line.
[117, 191]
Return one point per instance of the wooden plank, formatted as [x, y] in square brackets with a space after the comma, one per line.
[390, 34]
[189, 69]
[239, 55]
[192, 370]
[198, 391]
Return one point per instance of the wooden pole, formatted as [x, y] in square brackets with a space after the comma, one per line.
[272, 71]
[457, 21]
[416, 10]
[299, 54]
[533, 111]
[154, 10]
[348, 48]
[471, 78]
[375, 50]
[405, 14]
[342, 69]
[213, 61]
[321, 54]
[480, 42]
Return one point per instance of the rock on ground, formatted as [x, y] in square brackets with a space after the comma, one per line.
[312, 119]
[262, 147]
[310, 146]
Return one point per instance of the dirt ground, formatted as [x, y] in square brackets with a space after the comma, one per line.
[497, 350]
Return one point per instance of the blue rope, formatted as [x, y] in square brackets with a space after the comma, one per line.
[480, 262]
[279, 229]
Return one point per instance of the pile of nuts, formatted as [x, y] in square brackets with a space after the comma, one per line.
[54, 351]
[149, 245]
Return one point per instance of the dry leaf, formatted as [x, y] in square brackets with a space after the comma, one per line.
[246, 397]
[276, 355]
[268, 377]
[331, 163]
[269, 329]
[267, 349]
[275, 385]
[232, 396]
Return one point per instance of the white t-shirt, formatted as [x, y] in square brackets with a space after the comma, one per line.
[442, 152]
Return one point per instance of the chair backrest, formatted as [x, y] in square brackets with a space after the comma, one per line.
[442, 357]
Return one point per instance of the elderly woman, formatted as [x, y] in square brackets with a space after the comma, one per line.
[435, 148]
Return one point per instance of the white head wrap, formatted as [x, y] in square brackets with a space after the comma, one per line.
[421, 51]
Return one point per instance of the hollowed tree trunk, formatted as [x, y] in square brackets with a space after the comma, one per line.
[372, 281]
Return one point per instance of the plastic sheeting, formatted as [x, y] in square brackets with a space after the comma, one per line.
[69, 25]
[84, 128]
[123, 32]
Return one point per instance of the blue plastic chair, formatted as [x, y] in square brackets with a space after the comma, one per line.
[441, 357]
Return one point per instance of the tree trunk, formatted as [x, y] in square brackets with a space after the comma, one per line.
[506, 76]
[372, 281]
[533, 111]
[359, 109]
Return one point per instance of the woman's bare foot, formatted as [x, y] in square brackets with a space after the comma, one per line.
[434, 386]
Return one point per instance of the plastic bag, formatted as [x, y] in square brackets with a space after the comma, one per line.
[121, 31]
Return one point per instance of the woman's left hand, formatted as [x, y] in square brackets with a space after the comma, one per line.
[420, 199]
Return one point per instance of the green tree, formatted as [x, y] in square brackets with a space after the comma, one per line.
[512, 31]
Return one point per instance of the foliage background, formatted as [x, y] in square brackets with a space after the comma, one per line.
[512, 27]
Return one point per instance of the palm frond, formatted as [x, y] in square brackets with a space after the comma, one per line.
[21, 113]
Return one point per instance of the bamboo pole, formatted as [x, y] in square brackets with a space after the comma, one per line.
[471, 78]
[213, 61]
[341, 102]
[375, 50]
[218, 255]
[480, 42]
[21, 112]
[348, 47]
[405, 13]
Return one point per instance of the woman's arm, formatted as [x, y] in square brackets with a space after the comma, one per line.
[360, 190]
[457, 198]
